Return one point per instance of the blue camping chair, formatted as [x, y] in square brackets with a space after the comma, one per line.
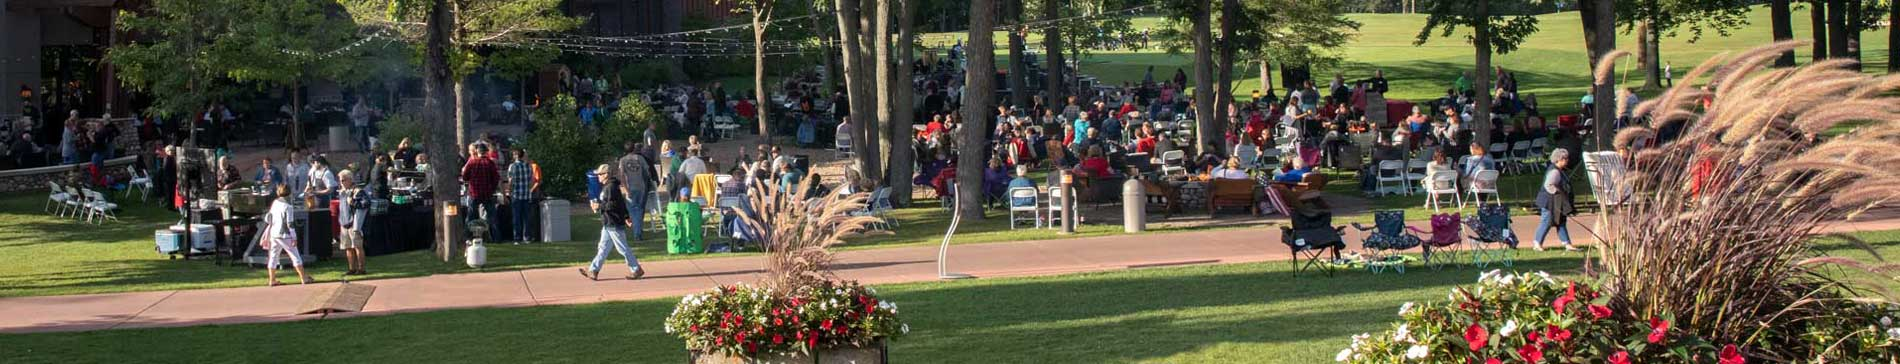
[1493, 241]
[1390, 238]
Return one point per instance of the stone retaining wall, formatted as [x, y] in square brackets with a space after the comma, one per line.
[34, 179]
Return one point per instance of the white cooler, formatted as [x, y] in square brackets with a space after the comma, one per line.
[202, 236]
[554, 221]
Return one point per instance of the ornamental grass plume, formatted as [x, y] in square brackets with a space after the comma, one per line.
[798, 228]
[1719, 230]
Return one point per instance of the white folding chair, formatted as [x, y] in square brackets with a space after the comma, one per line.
[56, 199]
[75, 202]
[1483, 182]
[1391, 171]
[1171, 162]
[1269, 158]
[1521, 157]
[1500, 152]
[842, 147]
[1442, 183]
[1017, 209]
[1249, 157]
[97, 206]
[1414, 173]
[139, 181]
[1055, 205]
[1540, 145]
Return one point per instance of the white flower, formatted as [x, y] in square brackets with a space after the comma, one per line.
[1417, 352]
[1343, 355]
[1403, 334]
[1359, 339]
[1886, 321]
[905, 328]
[1509, 328]
[1546, 277]
[1487, 275]
[1406, 308]
[1893, 334]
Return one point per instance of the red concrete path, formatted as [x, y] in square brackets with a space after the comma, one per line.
[670, 278]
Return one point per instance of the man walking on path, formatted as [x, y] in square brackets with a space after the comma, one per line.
[636, 175]
[613, 224]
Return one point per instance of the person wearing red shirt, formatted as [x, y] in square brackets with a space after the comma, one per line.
[1127, 107]
[481, 175]
[745, 109]
[1146, 143]
[935, 126]
[1095, 165]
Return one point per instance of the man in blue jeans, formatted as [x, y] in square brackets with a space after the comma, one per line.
[523, 182]
[613, 226]
[636, 176]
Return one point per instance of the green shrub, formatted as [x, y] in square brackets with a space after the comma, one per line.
[565, 149]
[398, 126]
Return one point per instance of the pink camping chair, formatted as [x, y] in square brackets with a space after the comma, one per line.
[1444, 240]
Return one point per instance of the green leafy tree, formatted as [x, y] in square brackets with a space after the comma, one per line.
[1656, 19]
[1491, 32]
[198, 51]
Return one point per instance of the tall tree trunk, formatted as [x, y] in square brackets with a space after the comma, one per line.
[1224, 92]
[1837, 29]
[1817, 22]
[439, 101]
[1599, 33]
[868, 134]
[830, 56]
[900, 132]
[1054, 85]
[1206, 132]
[763, 104]
[1266, 77]
[1018, 67]
[1652, 51]
[979, 89]
[1481, 116]
[856, 79]
[886, 85]
[1852, 34]
[1782, 25]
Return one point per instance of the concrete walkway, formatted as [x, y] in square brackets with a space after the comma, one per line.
[674, 278]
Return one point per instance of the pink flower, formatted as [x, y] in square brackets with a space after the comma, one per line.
[1658, 330]
[1730, 355]
[1531, 353]
[1476, 336]
[1621, 357]
[1599, 312]
[780, 339]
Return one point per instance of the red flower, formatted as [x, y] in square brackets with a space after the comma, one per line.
[811, 341]
[1534, 337]
[1493, 361]
[1476, 336]
[826, 325]
[778, 339]
[1658, 330]
[719, 340]
[778, 322]
[694, 328]
[1570, 295]
[1599, 312]
[1621, 357]
[1557, 334]
[1731, 356]
[751, 347]
[1531, 353]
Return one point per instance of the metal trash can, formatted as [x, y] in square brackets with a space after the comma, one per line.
[340, 139]
[1134, 207]
[555, 216]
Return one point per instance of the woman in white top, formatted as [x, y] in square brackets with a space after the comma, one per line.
[1435, 168]
[280, 238]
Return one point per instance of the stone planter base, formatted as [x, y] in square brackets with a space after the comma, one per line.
[875, 354]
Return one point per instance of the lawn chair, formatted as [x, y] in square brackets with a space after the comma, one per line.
[97, 206]
[1055, 205]
[56, 199]
[1310, 239]
[841, 147]
[1446, 238]
[1483, 182]
[1269, 158]
[1172, 162]
[1443, 183]
[1415, 175]
[75, 202]
[1521, 158]
[1604, 170]
[1500, 155]
[1017, 208]
[138, 181]
[1389, 238]
[1391, 171]
[1249, 157]
[1493, 241]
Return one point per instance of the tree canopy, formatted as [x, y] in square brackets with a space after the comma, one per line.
[1506, 32]
[199, 48]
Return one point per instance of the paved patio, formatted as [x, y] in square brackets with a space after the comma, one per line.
[674, 278]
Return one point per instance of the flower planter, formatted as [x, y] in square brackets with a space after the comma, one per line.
[874, 354]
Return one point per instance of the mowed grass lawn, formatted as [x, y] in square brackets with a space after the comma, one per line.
[1253, 313]
[1551, 64]
[47, 255]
